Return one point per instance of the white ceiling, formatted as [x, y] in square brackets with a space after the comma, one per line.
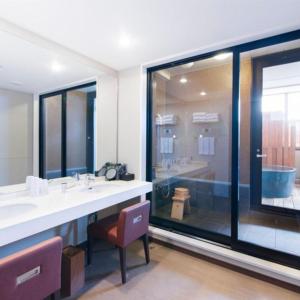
[157, 28]
[29, 68]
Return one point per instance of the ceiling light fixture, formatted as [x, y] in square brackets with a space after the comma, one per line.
[222, 56]
[56, 67]
[125, 41]
[183, 80]
[203, 93]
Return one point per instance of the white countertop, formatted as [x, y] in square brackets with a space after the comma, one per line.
[188, 169]
[22, 215]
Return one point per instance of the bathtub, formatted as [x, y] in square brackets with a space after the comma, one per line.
[278, 181]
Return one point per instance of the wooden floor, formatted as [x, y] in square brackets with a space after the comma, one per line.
[171, 275]
[292, 202]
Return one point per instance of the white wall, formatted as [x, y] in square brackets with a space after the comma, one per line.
[129, 127]
[106, 127]
[16, 135]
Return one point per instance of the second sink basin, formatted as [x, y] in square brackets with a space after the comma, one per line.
[13, 210]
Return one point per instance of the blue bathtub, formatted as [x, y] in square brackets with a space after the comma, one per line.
[278, 181]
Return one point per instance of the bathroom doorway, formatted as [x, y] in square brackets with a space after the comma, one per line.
[67, 131]
[275, 131]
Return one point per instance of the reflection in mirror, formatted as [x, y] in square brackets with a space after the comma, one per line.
[28, 71]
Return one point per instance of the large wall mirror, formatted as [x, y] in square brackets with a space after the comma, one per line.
[49, 114]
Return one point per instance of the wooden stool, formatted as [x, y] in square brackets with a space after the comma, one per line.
[181, 203]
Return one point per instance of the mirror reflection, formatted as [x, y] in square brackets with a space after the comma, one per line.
[47, 112]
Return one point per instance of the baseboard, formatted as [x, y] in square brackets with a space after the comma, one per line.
[258, 266]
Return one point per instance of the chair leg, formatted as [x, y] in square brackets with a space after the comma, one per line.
[55, 295]
[146, 247]
[122, 252]
[89, 249]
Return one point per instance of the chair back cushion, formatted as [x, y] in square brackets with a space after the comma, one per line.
[133, 223]
[33, 273]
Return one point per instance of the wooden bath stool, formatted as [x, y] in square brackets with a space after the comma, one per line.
[181, 203]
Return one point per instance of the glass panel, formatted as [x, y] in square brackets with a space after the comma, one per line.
[191, 146]
[80, 110]
[52, 136]
[269, 176]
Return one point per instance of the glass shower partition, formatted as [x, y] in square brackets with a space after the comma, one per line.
[191, 147]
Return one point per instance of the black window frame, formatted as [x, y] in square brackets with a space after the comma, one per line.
[259, 63]
[233, 241]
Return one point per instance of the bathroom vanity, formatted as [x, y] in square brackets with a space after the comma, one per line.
[22, 215]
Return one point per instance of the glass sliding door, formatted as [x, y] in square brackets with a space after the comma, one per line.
[223, 147]
[191, 146]
[80, 134]
[52, 136]
[67, 132]
[269, 154]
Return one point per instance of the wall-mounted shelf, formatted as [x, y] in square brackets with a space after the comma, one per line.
[165, 124]
[205, 121]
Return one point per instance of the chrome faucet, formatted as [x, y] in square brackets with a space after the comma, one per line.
[76, 176]
[88, 179]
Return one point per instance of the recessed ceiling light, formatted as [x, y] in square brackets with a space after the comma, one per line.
[15, 82]
[183, 80]
[222, 56]
[56, 67]
[125, 41]
[203, 93]
[188, 65]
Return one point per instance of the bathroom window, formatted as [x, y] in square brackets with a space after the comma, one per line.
[67, 131]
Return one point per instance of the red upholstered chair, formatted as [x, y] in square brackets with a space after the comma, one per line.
[120, 230]
[33, 273]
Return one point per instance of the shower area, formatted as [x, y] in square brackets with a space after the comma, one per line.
[191, 144]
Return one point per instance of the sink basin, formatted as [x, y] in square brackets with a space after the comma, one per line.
[13, 195]
[14, 210]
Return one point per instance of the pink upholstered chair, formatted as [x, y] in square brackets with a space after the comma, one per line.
[33, 273]
[120, 230]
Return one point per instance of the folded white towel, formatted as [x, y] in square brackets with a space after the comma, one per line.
[205, 117]
[206, 145]
[166, 120]
[166, 145]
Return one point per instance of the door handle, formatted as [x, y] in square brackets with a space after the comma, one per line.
[261, 155]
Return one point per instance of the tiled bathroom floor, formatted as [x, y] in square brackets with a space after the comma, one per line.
[271, 231]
